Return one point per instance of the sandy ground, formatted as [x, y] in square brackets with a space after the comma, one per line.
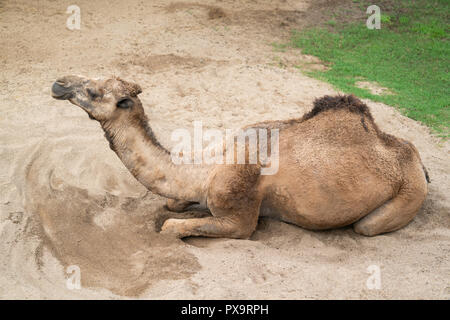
[66, 199]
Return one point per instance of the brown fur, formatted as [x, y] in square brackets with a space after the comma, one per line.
[336, 168]
[141, 121]
[353, 105]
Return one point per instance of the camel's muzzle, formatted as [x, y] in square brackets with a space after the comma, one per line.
[60, 91]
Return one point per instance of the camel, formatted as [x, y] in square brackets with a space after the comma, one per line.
[336, 168]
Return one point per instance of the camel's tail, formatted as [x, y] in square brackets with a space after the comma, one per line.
[427, 176]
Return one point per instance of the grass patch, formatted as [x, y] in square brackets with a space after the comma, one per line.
[410, 55]
[280, 47]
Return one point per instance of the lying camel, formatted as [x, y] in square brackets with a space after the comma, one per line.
[336, 168]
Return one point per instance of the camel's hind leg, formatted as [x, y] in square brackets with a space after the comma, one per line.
[395, 213]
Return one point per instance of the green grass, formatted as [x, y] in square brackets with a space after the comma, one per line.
[280, 47]
[410, 55]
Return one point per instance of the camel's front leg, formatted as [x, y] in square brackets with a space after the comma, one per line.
[234, 202]
[217, 227]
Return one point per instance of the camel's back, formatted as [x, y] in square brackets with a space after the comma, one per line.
[337, 162]
[340, 140]
[341, 131]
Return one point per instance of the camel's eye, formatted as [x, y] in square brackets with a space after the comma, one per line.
[93, 94]
[125, 103]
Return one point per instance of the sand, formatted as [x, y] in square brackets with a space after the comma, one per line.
[67, 200]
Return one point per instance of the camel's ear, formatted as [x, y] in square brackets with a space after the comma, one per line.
[131, 88]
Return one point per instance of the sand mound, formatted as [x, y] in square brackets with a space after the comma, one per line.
[111, 238]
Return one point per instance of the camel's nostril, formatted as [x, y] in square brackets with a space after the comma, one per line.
[61, 82]
[60, 91]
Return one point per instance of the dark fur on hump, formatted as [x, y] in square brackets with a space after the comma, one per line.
[349, 102]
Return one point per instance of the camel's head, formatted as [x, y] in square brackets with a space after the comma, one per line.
[103, 100]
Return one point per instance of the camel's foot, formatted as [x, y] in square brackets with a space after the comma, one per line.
[177, 205]
[218, 227]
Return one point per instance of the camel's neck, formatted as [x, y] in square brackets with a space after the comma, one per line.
[151, 164]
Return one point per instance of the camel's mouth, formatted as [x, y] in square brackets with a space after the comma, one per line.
[60, 91]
